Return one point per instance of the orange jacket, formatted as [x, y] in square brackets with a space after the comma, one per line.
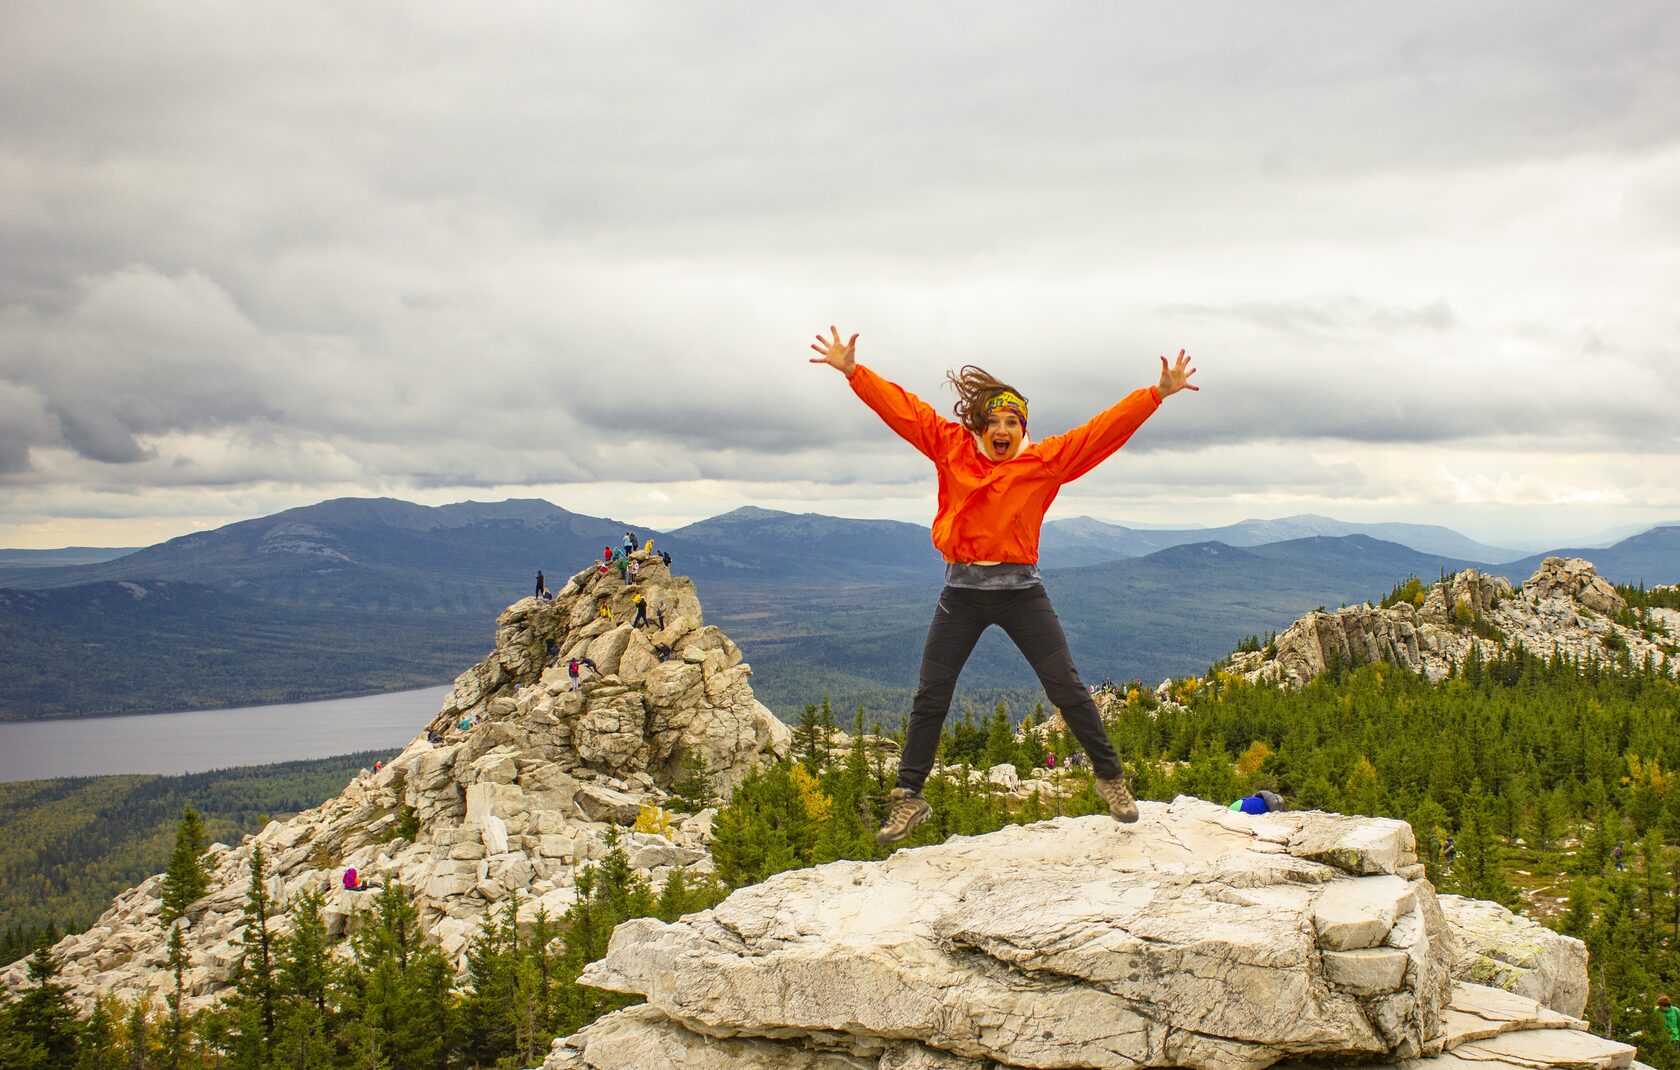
[990, 511]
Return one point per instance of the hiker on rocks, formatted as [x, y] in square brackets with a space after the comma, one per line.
[632, 571]
[661, 613]
[663, 650]
[607, 555]
[1670, 1016]
[994, 489]
[1261, 802]
[629, 543]
[574, 669]
[433, 736]
[1449, 851]
[641, 609]
[541, 589]
[354, 883]
[603, 609]
[665, 557]
[1616, 857]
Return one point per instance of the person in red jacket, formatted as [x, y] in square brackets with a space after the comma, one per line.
[995, 485]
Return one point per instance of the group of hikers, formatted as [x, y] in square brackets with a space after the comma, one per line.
[628, 561]
[629, 567]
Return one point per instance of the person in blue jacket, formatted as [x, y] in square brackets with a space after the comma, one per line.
[1264, 802]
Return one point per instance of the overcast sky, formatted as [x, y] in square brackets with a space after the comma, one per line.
[257, 255]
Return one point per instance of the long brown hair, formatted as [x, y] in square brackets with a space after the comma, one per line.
[975, 387]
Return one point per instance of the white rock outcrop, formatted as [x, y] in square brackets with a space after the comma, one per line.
[1565, 606]
[1198, 937]
[526, 781]
[1517, 954]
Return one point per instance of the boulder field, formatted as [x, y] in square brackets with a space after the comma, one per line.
[1565, 606]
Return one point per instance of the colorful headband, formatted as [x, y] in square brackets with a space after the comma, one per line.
[1012, 401]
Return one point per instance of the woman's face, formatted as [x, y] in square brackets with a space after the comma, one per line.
[1003, 435]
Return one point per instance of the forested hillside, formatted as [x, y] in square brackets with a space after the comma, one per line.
[67, 846]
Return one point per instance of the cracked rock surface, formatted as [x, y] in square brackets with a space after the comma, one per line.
[1196, 938]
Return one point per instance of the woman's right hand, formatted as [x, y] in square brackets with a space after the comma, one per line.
[835, 353]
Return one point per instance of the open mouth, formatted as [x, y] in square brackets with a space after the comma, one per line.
[1000, 445]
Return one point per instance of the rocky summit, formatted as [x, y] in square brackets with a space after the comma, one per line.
[1565, 606]
[1199, 937]
[516, 784]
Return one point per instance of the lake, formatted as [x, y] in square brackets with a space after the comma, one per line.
[197, 740]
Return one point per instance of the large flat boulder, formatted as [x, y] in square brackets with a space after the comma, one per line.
[1194, 938]
[1514, 953]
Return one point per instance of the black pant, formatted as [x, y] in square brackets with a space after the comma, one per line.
[1028, 618]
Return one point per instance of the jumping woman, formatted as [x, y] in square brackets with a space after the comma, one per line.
[995, 486]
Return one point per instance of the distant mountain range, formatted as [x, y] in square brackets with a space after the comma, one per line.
[1085, 541]
[68, 555]
[355, 595]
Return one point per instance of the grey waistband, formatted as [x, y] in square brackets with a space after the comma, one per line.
[1004, 577]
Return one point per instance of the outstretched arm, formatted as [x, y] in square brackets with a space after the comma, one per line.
[911, 418]
[1086, 446]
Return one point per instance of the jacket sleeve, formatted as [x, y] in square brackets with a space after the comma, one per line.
[1073, 454]
[911, 418]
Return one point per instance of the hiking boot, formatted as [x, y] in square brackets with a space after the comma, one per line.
[906, 809]
[1118, 795]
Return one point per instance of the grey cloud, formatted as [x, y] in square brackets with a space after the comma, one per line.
[389, 243]
[24, 424]
[138, 354]
[1335, 315]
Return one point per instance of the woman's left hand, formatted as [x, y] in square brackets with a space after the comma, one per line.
[1177, 377]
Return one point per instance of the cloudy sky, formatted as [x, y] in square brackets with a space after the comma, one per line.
[257, 255]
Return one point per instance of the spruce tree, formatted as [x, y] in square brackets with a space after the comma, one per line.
[999, 748]
[252, 1005]
[399, 987]
[487, 1006]
[44, 1017]
[177, 961]
[138, 1039]
[305, 975]
[17, 1048]
[100, 1050]
[185, 880]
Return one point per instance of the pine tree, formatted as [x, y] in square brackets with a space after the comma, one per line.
[487, 1006]
[17, 1048]
[253, 1004]
[305, 977]
[185, 881]
[177, 962]
[44, 1017]
[399, 987]
[1543, 822]
[100, 1050]
[138, 1039]
[999, 747]
[608, 892]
